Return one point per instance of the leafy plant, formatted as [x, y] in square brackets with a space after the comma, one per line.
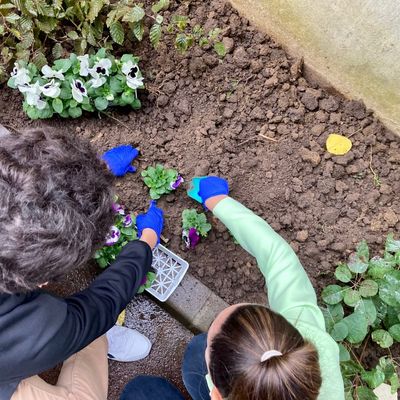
[366, 306]
[77, 84]
[121, 233]
[194, 225]
[161, 180]
[34, 30]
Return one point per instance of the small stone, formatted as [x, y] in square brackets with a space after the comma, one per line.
[184, 107]
[162, 100]
[256, 66]
[228, 43]
[241, 58]
[310, 156]
[257, 113]
[302, 236]
[390, 217]
[210, 60]
[228, 113]
[330, 104]
[202, 169]
[355, 109]
[321, 116]
[272, 82]
[310, 100]
[357, 167]
[340, 186]
[169, 87]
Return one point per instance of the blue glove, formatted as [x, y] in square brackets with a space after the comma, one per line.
[119, 159]
[204, 187]
[153, 219]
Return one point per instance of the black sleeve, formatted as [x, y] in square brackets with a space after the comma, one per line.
[92, 312]
[39, 330]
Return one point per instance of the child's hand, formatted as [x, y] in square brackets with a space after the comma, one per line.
[153, 219]
[204, 187]
[119, 159]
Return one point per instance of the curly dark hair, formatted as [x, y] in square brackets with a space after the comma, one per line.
[55, 207]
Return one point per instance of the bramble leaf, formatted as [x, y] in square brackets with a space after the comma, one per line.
[117, 32]
[332, 294]
[343, 274]
[155, 35]
[159, 6]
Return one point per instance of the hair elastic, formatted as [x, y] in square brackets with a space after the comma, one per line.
[269, 354]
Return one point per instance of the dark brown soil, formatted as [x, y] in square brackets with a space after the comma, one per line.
[202, 115]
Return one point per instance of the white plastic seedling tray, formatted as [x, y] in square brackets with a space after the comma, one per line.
[170, 270]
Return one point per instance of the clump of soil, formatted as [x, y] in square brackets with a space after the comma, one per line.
[253, 119]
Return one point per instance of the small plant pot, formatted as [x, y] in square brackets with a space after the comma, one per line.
[170, 270]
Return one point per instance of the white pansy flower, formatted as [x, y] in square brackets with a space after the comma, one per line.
[51, 89]
[20, 75]
[130, 70]
[51, 73]
[97, 80]
[84, 65]
[135, 82]
[78, 90]
[102, 67]
[32, 95]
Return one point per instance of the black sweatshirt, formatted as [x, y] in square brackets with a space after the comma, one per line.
[39, 330]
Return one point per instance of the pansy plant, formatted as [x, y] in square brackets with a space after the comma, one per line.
[121, 233]
[194, 225]
[161, 180]
[77, 84]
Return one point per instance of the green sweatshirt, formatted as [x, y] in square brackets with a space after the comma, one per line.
[290, 292]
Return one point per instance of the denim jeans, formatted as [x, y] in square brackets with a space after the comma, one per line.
[194, 370]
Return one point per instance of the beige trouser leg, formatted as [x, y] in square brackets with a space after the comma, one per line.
[84, 376]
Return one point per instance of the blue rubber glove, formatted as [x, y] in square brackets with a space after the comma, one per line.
[119, 159]
[204, 187]
[153, 219]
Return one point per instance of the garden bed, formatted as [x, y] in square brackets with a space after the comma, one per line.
[253, 119]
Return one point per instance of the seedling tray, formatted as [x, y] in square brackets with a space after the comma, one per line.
[170, 270]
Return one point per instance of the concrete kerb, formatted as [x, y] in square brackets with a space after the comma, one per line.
[194, 304]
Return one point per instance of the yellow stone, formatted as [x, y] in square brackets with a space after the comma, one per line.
[338, 145]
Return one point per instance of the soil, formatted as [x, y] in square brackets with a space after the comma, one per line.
[253, 119]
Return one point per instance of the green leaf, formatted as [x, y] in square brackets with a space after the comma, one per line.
[344, 354]
[87, 107]
[220, 49]
[382, 337]
[75, 112]
[332, 294]
[356, 264]
[395, 332]
[6, 6]
[183, 42]
[101, 103]
[340, 331]
[155, 35]
[57, 106]
[358, 327]
[154, 195]
[373, 378]
[138, 30]
[392, 246]
[159, 6]
[94, 9]
[343, 274]
[389, 288]
[117, 32]
[46, 24]
[57, 51]
[364, 393]
[12, 18]
[39, 59]
[180, 21]
[73, 35]
[135, 15]
[378, 267]
[351, 297]
[362, 251]
[368, 288]
[367, 308]
[62, 65]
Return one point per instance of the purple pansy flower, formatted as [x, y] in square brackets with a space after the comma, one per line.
[191, 238]
[113, 236]
[127, 221]
[118, 209]
[143, 281]
[177, 183]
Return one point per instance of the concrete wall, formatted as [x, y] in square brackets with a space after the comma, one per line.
[353, 44]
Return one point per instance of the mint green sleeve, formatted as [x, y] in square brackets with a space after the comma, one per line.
[290, 292]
